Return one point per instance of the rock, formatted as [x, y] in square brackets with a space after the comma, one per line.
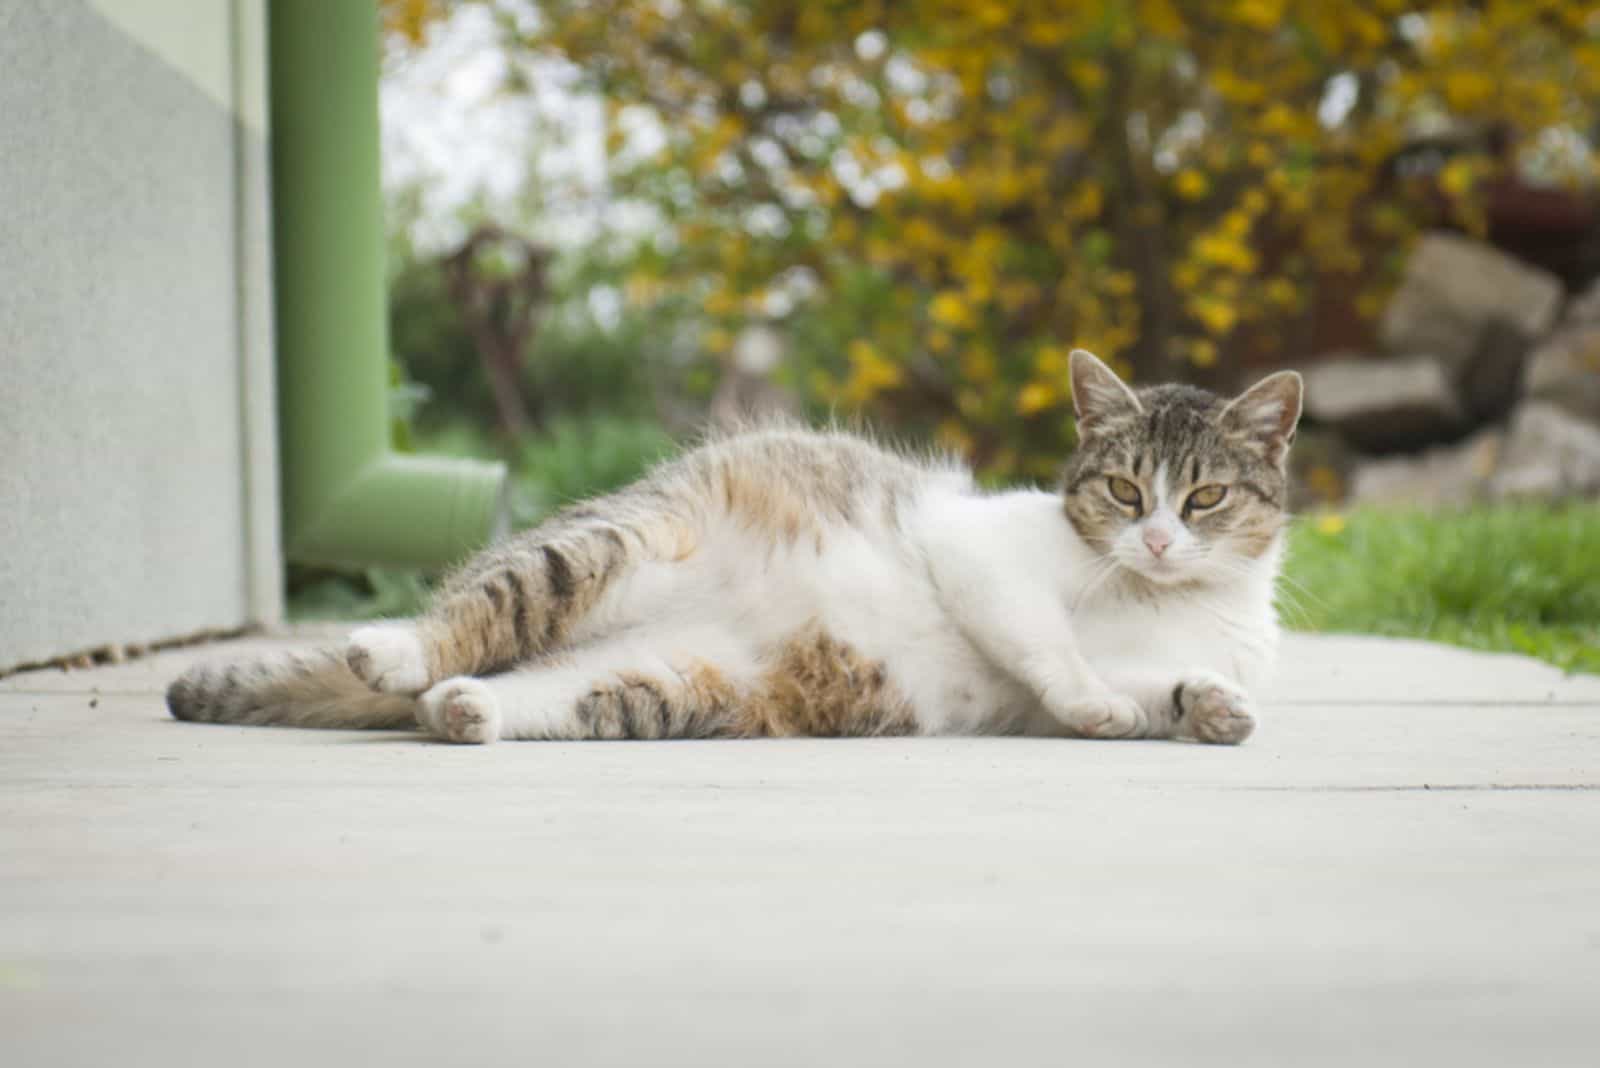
[1584, 309]
[1565, 371]
[1490, 382]
[1385, 405]
[1440, 477]
[1454, 287]
[1549, 454]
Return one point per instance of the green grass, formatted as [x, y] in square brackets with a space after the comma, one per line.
[1516, 579]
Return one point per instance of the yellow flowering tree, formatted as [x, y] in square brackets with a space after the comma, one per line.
[943, 197]
[409, 19]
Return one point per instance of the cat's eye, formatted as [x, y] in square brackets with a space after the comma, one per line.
[1205, 497]
[1124, 491]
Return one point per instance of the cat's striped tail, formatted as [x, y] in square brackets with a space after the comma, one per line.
[294, 690]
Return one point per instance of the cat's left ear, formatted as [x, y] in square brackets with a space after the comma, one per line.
[1265, 414]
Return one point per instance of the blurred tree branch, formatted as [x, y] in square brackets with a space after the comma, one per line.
[498, 281]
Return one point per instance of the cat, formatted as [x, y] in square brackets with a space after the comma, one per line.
[785, 581]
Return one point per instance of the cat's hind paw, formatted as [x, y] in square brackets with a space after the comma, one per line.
[389, 658]
[461, 710]
[1212, 709]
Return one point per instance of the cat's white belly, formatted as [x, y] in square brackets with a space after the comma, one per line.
[867, 591]
[880, 599]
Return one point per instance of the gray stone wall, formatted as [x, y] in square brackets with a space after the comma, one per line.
[138, 497]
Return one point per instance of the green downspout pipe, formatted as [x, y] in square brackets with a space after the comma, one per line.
[347, 498]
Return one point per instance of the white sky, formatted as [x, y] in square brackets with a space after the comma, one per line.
[450, 130]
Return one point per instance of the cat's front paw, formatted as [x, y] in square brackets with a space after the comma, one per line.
[461, 710]
[1109, 715]
[1212, 709]
[389, 658]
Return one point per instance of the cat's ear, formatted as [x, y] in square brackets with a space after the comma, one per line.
[1097, 392]
[1265, 414]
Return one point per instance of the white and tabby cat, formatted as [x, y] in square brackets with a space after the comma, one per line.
[790, 582]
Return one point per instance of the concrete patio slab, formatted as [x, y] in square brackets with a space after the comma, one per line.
[1402, 867]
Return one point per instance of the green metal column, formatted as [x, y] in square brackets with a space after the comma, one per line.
[347, 499]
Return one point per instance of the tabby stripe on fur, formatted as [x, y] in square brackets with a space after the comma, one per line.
[296, 690]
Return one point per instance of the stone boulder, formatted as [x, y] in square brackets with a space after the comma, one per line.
[1584, 309]
[1445, 476]
[1549, 454]
[1385, 405]
[1565, 371]
[1454, 287]
[1490, 382]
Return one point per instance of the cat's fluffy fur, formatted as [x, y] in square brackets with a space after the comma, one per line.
[785, 581]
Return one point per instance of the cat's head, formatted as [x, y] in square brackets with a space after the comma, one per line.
[1176, 484]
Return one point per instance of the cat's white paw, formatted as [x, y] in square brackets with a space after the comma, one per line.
[1213, 710]
[389, 657]
[461, 710]
[1106, 716]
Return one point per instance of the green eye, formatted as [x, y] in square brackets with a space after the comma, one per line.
[1124, 491]
[1205, 497]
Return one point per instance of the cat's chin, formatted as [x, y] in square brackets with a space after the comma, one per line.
[1166, 573]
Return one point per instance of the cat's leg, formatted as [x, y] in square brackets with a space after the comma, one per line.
[1023, 627]
[518, 600]
[688, 685]
[1108, 715]
[1199, 705]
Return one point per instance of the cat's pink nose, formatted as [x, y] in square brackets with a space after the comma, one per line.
[1156, 540]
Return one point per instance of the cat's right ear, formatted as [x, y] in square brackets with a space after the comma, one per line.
[1265, 414]
[1097, 392]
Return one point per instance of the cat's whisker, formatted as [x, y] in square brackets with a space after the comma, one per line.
[1103, 571]
[1292, 593]
[1299, 588]
[1287, 594]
